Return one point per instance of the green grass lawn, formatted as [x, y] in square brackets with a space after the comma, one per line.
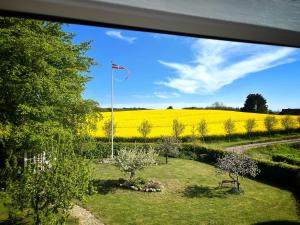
[189, 197]
[290, 151]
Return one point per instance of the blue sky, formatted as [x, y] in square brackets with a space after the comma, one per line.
[182, 71]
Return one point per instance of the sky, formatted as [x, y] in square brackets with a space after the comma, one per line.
[166, 70]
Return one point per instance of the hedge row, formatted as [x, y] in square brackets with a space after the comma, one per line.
[208, 138]
[285, 159]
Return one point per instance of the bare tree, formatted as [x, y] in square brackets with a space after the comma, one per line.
[178, 128]
[107, 128]
[169, 146]
[229, 127]
[237, 165]
[250, 124]
[287, 123]
[270, 123]
[145, 128]
[202, 129]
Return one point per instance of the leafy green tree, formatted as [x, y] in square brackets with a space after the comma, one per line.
[43, 75]
[202, 129]
[255, 103]
[229, 127]
[145, 128]
[270, 122]
[250, 124]
[177, 128]
[131, 160]
[287, 123]
[108, 129]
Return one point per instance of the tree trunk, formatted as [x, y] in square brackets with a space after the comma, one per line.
[166, 158]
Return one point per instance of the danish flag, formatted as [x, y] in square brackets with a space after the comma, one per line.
[118, 67]
[115, 66]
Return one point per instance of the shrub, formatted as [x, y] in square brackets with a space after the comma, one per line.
[145, 129]
[270, 123]
[202, 128]
[107, 128]
[287, 123]
[250, 124]
[177, 128]
[229, 127]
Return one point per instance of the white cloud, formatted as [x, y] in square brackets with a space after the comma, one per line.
[166, 95]
[119, 35]
[219, 63]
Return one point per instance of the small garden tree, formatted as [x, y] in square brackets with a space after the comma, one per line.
[237, 165]
[270, 123]
[193, 137]
[145, 128]
[287, 123]
[250, 124]
[131, 160]
[202, 129]
[108, 129]
[229, 127]
[177, 128]
[169, 146]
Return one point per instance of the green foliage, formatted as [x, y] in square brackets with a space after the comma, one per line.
[255, 103]
[287, 123]
[130, 160]
[43, 115]
[107, 128]
[145, 128]
[250, 124]
[48, 187]
[270, 123]
[177, 128]
[229, 127]
[202, 128]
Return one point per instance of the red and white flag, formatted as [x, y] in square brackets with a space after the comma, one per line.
[118, 67]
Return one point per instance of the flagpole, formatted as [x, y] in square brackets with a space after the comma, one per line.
[112, 112]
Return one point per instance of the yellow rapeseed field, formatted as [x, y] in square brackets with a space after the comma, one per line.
[161, 120]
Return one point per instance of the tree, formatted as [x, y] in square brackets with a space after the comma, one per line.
[287, 123]
[202, 129]
[177, 128]
[107, 129]
[131, 160]
[170, 107]
[270, 123]
[229, 127]
[237, 165]
[250, 124]
[43, 75]
[255, 103]
[169, 146]
[145, 128]
[193, 137]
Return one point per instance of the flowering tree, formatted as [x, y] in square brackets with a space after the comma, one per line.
[169, 146]
[237, 165]
[131, 160]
